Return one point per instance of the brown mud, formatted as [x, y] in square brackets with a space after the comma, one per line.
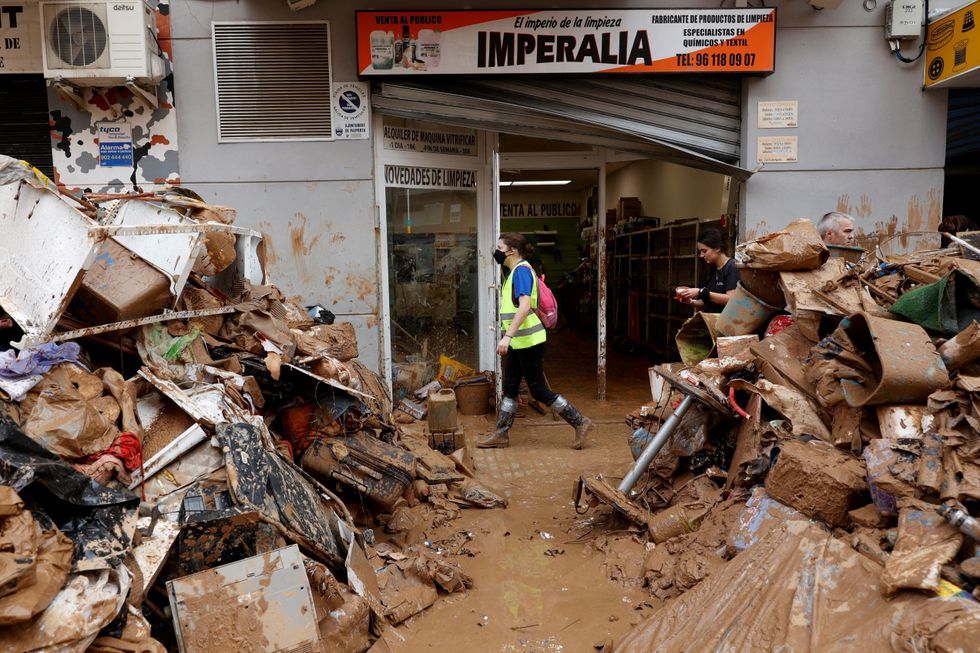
[540, 583]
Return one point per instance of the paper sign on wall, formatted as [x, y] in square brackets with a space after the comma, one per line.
[429, 141]
[20, 47]
[779, 114]
[115, 144]
[777, 149]
[429, 177]
[351, 110]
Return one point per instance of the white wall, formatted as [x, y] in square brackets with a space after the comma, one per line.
[871, 141]
[669, 191]
[313, 201]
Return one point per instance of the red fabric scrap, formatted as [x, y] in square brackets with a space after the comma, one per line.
[779, 323]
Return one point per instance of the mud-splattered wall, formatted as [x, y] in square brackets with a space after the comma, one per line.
[75, 144]
[871, 143]
[313, 201]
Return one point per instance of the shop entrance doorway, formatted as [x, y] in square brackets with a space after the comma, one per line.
[614, 235]
[554, 200]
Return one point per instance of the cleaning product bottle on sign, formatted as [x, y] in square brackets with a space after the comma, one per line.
[428, 43]
[382, 50]
[406, 61]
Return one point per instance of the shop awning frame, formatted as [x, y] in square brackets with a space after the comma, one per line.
[692, 124]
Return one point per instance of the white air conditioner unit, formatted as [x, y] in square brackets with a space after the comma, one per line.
[100, 43]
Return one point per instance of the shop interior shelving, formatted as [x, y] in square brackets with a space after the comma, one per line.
[644, 268]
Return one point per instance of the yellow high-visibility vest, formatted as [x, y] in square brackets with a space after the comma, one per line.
[531, 331]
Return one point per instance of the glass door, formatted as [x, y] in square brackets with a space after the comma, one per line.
[434, 224]
[432, 280]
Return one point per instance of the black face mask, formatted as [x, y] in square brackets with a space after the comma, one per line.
[499, 256]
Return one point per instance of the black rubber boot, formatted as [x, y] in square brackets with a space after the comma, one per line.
[583, 425]
[505, 419]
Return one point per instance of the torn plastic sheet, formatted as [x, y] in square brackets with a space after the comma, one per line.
[798, 589]
[99, 520]
[277, 489]
[87, 603]
[207, 403]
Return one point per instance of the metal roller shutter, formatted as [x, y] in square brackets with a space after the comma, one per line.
[695, 122]
[24, 129]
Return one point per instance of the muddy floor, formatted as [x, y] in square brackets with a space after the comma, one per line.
[540, 585]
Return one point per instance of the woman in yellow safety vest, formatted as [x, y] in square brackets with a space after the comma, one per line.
[522, 345]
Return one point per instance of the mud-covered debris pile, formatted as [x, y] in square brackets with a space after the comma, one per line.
[176, 435]
[823, 497]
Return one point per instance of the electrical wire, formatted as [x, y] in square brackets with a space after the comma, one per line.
[897, 50]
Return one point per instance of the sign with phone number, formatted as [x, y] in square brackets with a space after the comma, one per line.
[716, 60]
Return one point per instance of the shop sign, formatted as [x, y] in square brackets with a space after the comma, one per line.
[429, 141]
[953, 49]
[777, 149]
[430, 177]
[115, 144]
[517, 42]
[779, 114]
[351, 111]
[540, 210]
[20, 42]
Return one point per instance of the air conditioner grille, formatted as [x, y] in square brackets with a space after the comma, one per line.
[78, 36]
[273, 81]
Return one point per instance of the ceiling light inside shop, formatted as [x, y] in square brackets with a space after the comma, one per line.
[543, 182]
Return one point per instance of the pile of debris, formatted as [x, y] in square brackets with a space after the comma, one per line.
[811, 466]
[187, 458]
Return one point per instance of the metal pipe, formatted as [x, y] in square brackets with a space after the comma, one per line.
[962, 243]
[655, 445]
[961, 520]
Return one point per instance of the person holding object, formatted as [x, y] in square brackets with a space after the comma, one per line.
[837, 229]
[522, 346]
[721, 276]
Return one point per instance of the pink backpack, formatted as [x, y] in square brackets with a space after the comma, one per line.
[547, 310]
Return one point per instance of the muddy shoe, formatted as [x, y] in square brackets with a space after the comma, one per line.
[494, 441]
[582, 431]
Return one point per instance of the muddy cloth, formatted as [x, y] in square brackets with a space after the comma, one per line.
[797, 590]
[21, 371]
[99, 520]
[36, 360]
[124, 456]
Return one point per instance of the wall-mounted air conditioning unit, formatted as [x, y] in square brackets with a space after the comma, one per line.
[100, 43]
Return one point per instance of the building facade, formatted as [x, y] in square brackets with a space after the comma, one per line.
[862, 137]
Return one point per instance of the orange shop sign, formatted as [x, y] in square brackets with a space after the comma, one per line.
[521, 42]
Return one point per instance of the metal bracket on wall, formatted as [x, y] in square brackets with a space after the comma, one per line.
[70, 93]
[142, 95]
